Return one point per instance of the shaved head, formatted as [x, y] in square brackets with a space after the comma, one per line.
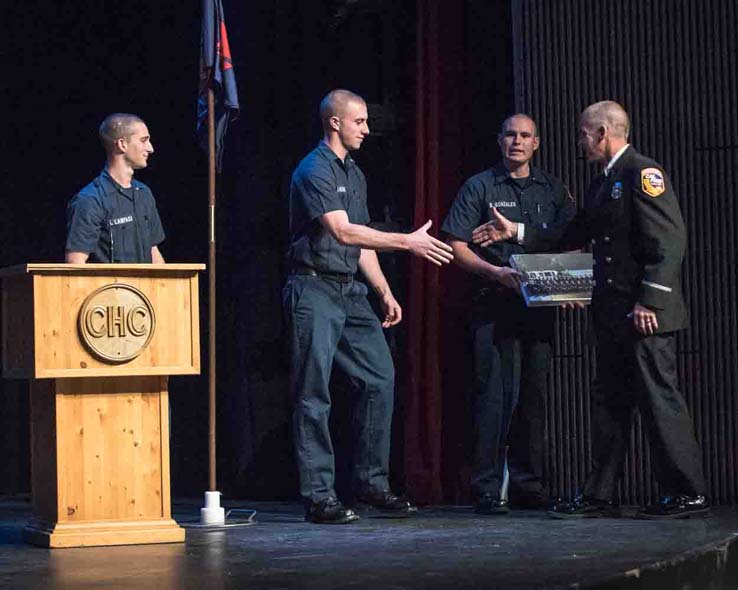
[335, 102]
[115, 127]
[507, 121]
[610, 115]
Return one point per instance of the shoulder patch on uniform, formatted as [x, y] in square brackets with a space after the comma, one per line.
[652, 182]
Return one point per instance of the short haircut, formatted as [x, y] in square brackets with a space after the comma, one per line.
[519, 115]
[115, 127]
[335, 102]
[610, 114]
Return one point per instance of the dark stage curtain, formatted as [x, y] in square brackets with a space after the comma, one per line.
[462, 93]
[423, 405]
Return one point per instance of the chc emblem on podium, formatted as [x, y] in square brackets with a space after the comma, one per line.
[116, 322]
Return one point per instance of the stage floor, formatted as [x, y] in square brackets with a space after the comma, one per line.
[444, 547]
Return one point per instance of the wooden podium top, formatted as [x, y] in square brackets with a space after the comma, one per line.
[100, 320]
[58, 267]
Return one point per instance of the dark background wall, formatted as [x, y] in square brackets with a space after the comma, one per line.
[671, 64]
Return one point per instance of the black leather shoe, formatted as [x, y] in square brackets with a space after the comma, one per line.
[489, 504]
[385, 503]
[680, 506]
[583, 507]
[330, 511]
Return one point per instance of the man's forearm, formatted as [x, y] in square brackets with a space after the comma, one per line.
[156, 256]
[471, 262]
[352, 234]
[76, 257]
[369, 266]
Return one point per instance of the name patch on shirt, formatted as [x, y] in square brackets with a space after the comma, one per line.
[503, 204]
[341, 189]
[121, 220]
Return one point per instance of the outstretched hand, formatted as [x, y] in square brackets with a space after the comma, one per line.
[499, 229]
[422, 244]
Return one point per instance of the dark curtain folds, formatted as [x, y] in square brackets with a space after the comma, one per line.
[423, 419]
[463, 90]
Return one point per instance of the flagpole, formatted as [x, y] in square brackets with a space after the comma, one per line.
[211, 291]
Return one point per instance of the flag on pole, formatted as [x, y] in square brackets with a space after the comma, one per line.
[216, 72]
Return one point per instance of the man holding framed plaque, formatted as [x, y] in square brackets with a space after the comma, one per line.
[511, 344]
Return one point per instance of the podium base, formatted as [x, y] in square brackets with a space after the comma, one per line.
[137, 532]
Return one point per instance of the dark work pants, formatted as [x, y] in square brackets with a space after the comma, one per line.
[641, 372]
[526, 441]
[331, 323]
[511, 355]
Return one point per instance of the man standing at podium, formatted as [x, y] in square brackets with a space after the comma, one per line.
[114, 218]
[511, 344]
[331, 322]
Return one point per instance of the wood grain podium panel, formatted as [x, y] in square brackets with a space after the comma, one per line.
[103, 479]
[55, 345]
[98, 342]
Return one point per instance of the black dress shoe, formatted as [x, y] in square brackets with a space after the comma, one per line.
[490, 504]
[385, 503]
[680, 506]
[583, 507]
[330, 511]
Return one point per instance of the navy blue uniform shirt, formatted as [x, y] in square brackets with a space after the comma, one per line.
[542, 202]
[322, 183]
[113, 224]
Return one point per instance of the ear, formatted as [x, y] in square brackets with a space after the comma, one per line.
[500, 137]
[335, 123]
[536, 143]
[121, 144]
[602, 132]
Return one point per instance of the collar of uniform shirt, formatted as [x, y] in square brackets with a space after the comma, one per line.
[502, 174]
[615, 158]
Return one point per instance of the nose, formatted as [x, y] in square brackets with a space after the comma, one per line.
[151, 148]
[366, 129]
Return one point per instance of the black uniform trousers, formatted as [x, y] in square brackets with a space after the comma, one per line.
[640, 372]
[332, 323]
[511, 356]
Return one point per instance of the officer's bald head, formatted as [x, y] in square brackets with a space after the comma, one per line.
[334, 104]
[115, 127]
[523, 116]
[610, 115]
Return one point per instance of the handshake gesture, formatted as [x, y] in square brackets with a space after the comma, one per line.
[422, 244]
[499, 229]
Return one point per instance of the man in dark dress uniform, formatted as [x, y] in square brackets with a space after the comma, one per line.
[330, 321]
[114, 218]
[633, 221]
[511, 344]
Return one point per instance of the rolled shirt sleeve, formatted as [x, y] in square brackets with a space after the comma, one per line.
[316, 195]
[85, 219]
[466, 211]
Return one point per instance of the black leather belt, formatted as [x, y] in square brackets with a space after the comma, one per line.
[338, 277]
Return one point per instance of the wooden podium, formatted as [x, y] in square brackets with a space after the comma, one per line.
[98, 342]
